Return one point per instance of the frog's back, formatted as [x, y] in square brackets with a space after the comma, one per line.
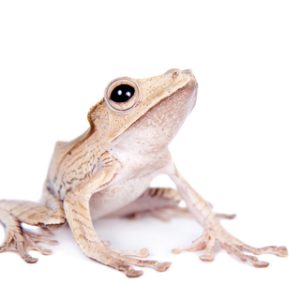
[61, 151]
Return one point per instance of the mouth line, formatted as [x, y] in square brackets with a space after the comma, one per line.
[163, 100]
[192, 81]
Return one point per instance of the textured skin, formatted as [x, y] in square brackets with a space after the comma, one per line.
[107, 172]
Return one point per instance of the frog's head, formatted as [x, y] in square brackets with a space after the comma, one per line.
[157, 104]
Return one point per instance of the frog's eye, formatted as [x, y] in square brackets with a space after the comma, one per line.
[122, 94]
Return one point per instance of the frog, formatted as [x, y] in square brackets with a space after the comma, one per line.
[107, 171]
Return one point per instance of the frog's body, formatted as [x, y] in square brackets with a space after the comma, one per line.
[108, 170]
[142, 159]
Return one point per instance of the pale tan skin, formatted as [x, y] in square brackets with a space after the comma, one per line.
[107, 172]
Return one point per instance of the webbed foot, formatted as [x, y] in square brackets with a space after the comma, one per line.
[215, 235]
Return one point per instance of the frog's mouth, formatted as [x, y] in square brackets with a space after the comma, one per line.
[162, 121]
[184, 97]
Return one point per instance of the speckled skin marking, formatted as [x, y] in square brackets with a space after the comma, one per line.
[107, 171]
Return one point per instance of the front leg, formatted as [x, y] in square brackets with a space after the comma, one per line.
[77, 212]
[22, 240]
[79, 218]
[214, 233]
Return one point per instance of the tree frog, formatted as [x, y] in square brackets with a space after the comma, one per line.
[107, 171]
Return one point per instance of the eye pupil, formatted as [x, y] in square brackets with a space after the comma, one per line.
[122, 93]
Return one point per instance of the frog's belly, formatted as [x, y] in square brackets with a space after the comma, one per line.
[118, 196]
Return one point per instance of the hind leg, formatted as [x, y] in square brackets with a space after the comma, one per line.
[215, 235]
[21, 240]
[161, 203]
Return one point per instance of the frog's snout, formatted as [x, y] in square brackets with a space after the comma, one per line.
[175, 73]
[188, 71]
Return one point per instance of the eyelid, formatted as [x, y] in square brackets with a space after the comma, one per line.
[122, 106]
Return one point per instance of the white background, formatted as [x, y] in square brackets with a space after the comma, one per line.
[240, 146]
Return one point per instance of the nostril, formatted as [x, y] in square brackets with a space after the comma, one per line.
[174, 73]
